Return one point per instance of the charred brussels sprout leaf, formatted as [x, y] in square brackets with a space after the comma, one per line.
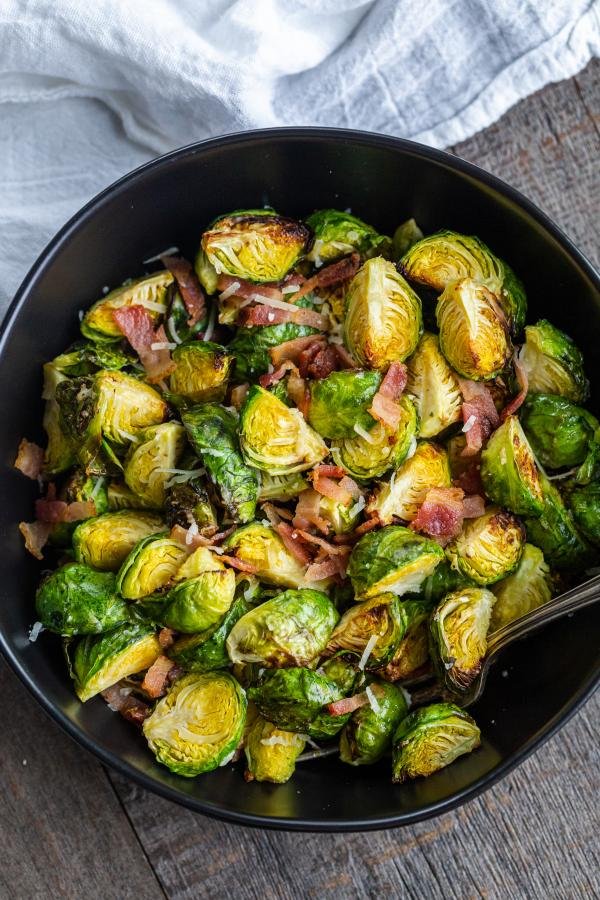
[459, 628]
[99, 661]
[296, 700]
[378, 624]
[383, 320]
[369, 732]
[392, 559]
[60, 453]
[202, 371]
[86, 357]
[585, 507]
[553, 363]
[149, 566]
[199, 602]
[527, 588]
[261, 547]
[281, 487]
[337, 234]
[77, 600]
[271, 753]
[188, 502]
[403, 494]
[104, 541]
[412, 653]
[151, 292]
[509, 472]
[559, 432]
[206, 651]
[555, 533]
[373, 454]
[212, 432]
[434, 387]
[292, 629]
[473, 334]
[488, 548]
[150, 462]
[340, 401]
[198, 725]
[257, 245]
[431, 738]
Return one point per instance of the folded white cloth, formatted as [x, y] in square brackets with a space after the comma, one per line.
[91, 89]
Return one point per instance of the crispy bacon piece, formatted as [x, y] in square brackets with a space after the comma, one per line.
[35, 535]
[239, 564]
[292, 540]
[308, 510]
[479, 414]
[30, 459]
[329, 548]
[189, 287]
[318, 360]
[441, 514]
[298, 392]
[330, 488]
[263, 314]
[334, 565]
[384, 406]
[330, 471]
[155, 679]
[291, 350]
[190, 542]
[511, 408]
[126, 704]
[271, 378]
[166, 636]
[467, 473]
[247, 289]
[136, 323]
[58, 511]
[349, 704]
[394, 381]
[368, 525]
[342, 270]
[346, 360]
[351, 486]
[473, 506]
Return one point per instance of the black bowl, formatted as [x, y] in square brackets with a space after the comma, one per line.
[537, 685]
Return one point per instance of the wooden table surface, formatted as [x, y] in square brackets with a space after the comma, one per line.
[71, 829]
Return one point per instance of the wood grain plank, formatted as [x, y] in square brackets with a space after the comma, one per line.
[64, 831]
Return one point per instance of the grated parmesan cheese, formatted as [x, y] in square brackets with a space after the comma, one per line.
[173, 330]
[168, 252]
[289, 288]
[152, 306]
[412, 448]
[210, 328]
[358, 506]
[230, 291]
[364, 434]
[163, 345]
[192, 531]
[469, 423]
[36, 630]
[375, 706]
[367, 652]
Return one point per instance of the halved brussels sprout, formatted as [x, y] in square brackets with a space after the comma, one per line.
[254, 244]
[198, 725]
[431, 738]
[509, 471]
[261, 547]
[149, 566]
[527, 588]
[79, 488]
[206, 651]
[473, 333]
[86, 357]
[198, 603]
[104, 541]
[379, 623]
[340, 401]
[201, 560]
[60, 452]
[292, 629]
[405, 236]
[251, 346]
[337, 234]
[489, 547]
[99, 661]
[369, 458]
[120, 497]
[434, 387]
[151, 291]
[392, 559]
[412, 653]
[403, 494]
[296, 700]
[369, 732]
[341, 518]
[555, 532]
[584, 502]
[438, 260]
[559, 432]
[77, 600]
[149, 463]
[383, 321]
[202, 372]
[271, 753]
[275, 438]
[553, 363]
[281, 487]
[213, 433]
[458, 628]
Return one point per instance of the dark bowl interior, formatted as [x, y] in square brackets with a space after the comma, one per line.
[538, 682]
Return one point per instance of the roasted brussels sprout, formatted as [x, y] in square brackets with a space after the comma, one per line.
[553, 363]
[473, 333]
[261, 547]
[296, 700]
[275, 438]
[150, 292]
[527, 588]
[584, 502]
[383, 321]
[79, 488]
[188, 502]
[434, 387]
[405, 236]
[77, 600]
[60, 452]
[292, 629]
[373, 629]
[343, 668]
[200, 602]
[119, 497]
[104, 541]
[489, 547]
[86, 357]
[341, 518]
[198, 725]
[281, 487]
[369, 732]
[438, 260]
[149, 566]
[392, 559]
[255, 244]
[430, 738]
[150, 462]
[206, 272]
[271, 753]
[202, 372]
[212, 432]
[99, 661]
[412, 653]
[206, 651]
[340, 401]
[402, 495]
[373, 454]
[459, 627]
[555, 533]
[337, 234]
[559, 432]
[509, 472]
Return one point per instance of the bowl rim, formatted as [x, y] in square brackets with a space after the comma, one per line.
[112, 760]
